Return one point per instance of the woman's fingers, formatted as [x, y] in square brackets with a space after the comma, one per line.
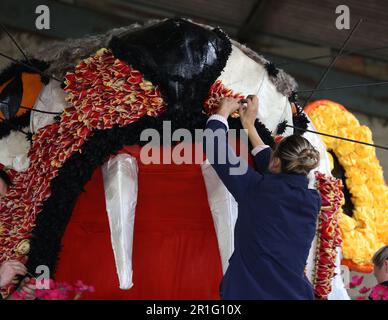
[18, 267]
[9, 270]
[241, 111]
[28, 289]
[227, 106]
[20, 272]
[17, 264]
[253, 103]
[234, 104]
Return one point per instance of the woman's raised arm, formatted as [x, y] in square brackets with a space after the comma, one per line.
[261, 152]
[234, 171]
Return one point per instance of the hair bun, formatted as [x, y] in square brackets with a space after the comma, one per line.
[309, 158]
[297, 155]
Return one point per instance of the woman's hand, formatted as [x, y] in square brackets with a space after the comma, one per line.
[248, 113]
[9, 270]
[228, 106]
[27, 289]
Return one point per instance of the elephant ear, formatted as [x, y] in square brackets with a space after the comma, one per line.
[11, 97]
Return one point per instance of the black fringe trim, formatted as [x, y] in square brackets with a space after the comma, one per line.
[293, 98]
[16, 69]
[271, 69]
[282, 126]
[16, 123]
[265, 134]
[339, 173]
[5, 177]
[300, 120]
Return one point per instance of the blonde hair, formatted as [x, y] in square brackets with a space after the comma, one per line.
[297, 155]
[380, 256]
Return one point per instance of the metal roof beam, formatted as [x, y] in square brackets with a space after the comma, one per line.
[248, 29]
[66, 20]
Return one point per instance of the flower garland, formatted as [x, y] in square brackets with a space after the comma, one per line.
[216, 93]
[329, 236]
[367, 230]
[105, 92]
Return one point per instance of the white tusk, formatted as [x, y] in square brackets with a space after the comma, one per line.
[224, 211]
[121, 187]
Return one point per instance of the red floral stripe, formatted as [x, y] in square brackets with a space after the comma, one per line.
[329, 236]
[216, 93]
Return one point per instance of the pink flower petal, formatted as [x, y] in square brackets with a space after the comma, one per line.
[364, 290]
[356, 281]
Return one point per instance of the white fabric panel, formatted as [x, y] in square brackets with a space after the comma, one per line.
[249, 76]
[339, 291]
[224, 211]
[120, 175]
[252, 78]
[52, 99]
[14, 149]
[287, 115]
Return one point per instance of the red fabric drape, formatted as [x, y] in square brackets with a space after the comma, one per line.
[175, 253]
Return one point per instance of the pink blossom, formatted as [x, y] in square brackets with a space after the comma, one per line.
[385, 294]
[364, 290]
[356, 281]
[80, 287]
[63, 291]
[378, 292]
[360, 298]
[19, 295]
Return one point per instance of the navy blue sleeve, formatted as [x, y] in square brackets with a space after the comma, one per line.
[233, 171]
[262, 159]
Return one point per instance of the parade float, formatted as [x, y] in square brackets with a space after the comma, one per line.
[83, 203]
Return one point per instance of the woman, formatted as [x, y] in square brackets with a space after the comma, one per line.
[5, 182]
[380, 263]
[277, 212]
[11, 269]
[380, 271]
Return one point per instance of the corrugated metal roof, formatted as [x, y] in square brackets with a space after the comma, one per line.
[229, 12]
[311, 21]
[314, 22]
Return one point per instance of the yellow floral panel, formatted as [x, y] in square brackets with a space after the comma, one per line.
[367, 230]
